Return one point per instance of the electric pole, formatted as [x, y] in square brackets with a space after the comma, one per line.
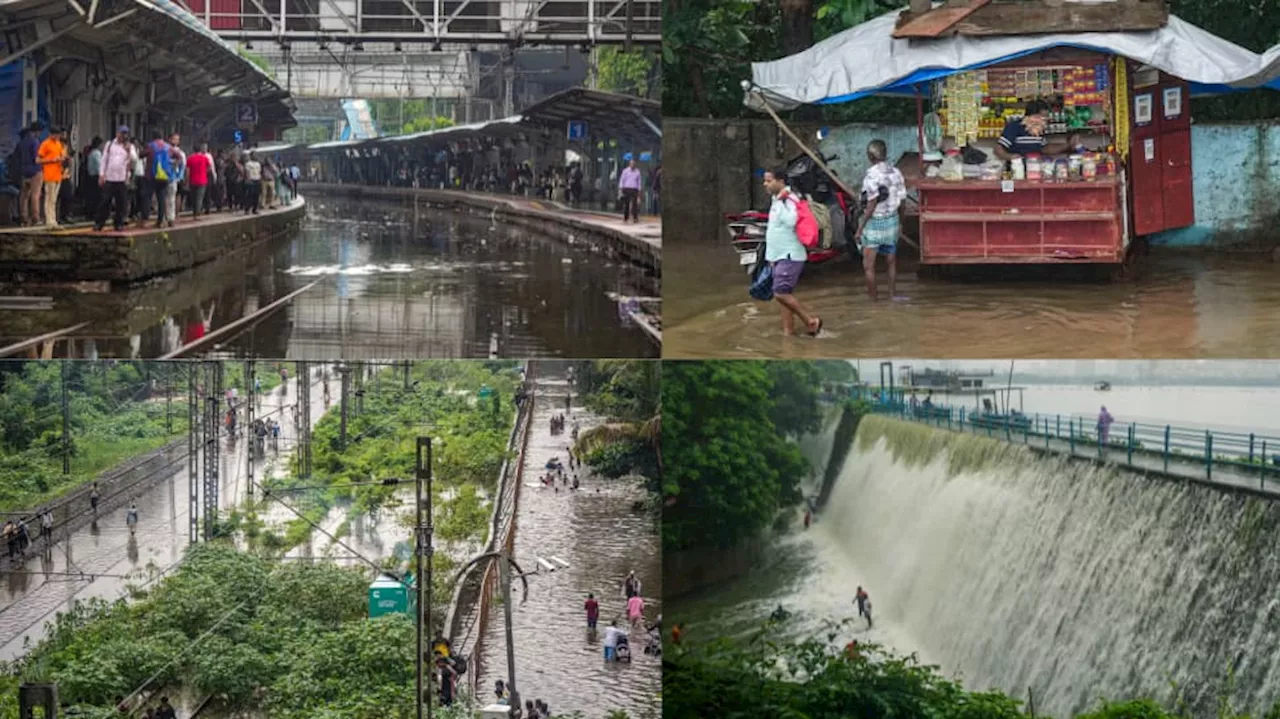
[422, 476]
[66, 422]
[343, 372]
[251, 398]
[504, 576]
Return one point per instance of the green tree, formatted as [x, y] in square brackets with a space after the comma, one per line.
[727, 467]
[629, 73]
[795, 397]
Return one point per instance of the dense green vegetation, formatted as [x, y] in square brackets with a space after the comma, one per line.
[708, 46]
[628, 393]
[117, 411]
[728, 463]
[295, 641]
[631, 73]
[469, 445]
[768, 677]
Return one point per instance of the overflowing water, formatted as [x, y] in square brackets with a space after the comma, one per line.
[1034, 575]
[602, 537]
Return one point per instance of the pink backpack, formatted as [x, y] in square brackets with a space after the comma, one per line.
[806, 224]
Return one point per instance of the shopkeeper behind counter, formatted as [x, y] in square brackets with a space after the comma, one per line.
[1026, 136]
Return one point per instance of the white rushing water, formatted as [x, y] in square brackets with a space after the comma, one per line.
[1022, 572]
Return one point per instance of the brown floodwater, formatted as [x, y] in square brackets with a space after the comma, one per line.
[599, 534]
[1174, 304]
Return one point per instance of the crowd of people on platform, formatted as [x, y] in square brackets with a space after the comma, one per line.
[126, 179]
[557, 183]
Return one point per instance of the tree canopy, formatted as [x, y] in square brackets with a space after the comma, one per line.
[728, 465]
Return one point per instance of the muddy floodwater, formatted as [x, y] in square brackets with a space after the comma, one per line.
[601, 536]
[396, 279]
[1176, 304]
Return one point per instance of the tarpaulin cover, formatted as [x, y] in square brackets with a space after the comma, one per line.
[867, 60]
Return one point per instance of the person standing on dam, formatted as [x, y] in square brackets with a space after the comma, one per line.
[1104, 426]
[863, 601]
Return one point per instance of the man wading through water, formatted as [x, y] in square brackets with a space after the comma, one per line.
[785, 253]
[884, 190]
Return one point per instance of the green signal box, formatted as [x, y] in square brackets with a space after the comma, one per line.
[387, 595]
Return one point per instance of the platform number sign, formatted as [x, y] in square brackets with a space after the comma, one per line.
[246, 114]
[577, 130]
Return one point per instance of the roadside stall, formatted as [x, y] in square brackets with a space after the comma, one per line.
[1096, 128]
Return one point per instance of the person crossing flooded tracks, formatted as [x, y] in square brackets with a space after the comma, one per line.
[630, 585]
[131, 518]
[592, 608]
[46, 525]
[94, 498]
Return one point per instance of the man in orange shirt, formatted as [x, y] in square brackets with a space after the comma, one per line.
[50, 156]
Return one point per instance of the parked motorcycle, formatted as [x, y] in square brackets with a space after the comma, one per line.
[747, 229]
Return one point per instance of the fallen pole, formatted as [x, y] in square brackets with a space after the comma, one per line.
[26, 344]
[246, 321]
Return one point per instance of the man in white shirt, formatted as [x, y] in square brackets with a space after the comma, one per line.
[116, 168]
[253, 183]
[611, 634]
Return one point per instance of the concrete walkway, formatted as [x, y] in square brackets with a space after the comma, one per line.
[141, 229]
[1179, 467]
[91, 560]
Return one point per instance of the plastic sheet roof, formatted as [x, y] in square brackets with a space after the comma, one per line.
[866, 60]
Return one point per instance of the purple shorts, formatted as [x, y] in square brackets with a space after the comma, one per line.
[786, 273]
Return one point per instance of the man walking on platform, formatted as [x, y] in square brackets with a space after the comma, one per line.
[629, 186]
[117, 168]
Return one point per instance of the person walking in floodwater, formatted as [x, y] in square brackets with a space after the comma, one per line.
[46, 525]
[867, 608]
[1104, 426]
[593, 611]
[785, 254]
[883, 189]
[631, 585]
[862, 599]
[131, 518]
[635, 611]
[611, 634]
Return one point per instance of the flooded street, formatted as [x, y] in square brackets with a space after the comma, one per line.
[1177, 305]
[396, 280]
[596, 531]
[100, 559]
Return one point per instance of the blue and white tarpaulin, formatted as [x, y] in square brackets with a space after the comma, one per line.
[867, 60]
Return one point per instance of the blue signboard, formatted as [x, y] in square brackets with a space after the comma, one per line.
[627, 157]
[646, 156]
[577, 130]
[239, 137]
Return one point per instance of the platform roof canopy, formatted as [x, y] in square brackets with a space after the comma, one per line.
[127, 44]
[868, 60]
[625, 117]
[607, 114]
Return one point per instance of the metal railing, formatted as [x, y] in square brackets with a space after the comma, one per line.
[1169, 448]
[473, 595]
